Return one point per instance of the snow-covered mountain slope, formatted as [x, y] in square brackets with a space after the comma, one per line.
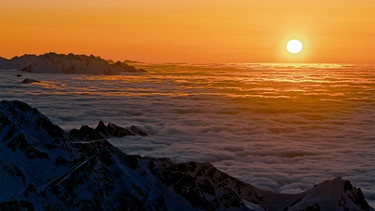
[43, 167]
[69, 64]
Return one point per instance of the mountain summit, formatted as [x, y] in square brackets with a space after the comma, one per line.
[68, 64]
[43, 167]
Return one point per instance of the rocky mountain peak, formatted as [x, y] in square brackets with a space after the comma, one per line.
[67, 64]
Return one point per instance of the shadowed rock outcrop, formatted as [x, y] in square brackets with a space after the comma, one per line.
[29, 81]
[102, 131]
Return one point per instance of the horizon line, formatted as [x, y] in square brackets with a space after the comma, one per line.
[128, 60]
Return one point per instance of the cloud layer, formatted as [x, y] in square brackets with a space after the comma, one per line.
[278, 127]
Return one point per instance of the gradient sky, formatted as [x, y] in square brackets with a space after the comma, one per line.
[191, 30]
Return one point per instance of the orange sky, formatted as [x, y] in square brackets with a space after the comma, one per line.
[191, 30]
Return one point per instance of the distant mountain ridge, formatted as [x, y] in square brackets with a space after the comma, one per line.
[43, 167]
[66, 64]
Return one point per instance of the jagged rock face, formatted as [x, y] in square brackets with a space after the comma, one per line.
[203, 185]
[68, 64]
[102, 131]
[20, 117]
[43, 167]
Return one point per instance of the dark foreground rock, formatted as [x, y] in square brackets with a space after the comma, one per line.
[43, 167]
[29, 81]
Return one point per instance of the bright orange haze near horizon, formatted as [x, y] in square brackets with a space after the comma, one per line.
[190, 30]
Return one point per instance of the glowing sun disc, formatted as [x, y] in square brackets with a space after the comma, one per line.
[294, 46]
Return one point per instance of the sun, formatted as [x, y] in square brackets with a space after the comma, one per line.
[294, 46]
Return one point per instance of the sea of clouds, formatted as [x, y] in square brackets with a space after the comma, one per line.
[278, 127]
